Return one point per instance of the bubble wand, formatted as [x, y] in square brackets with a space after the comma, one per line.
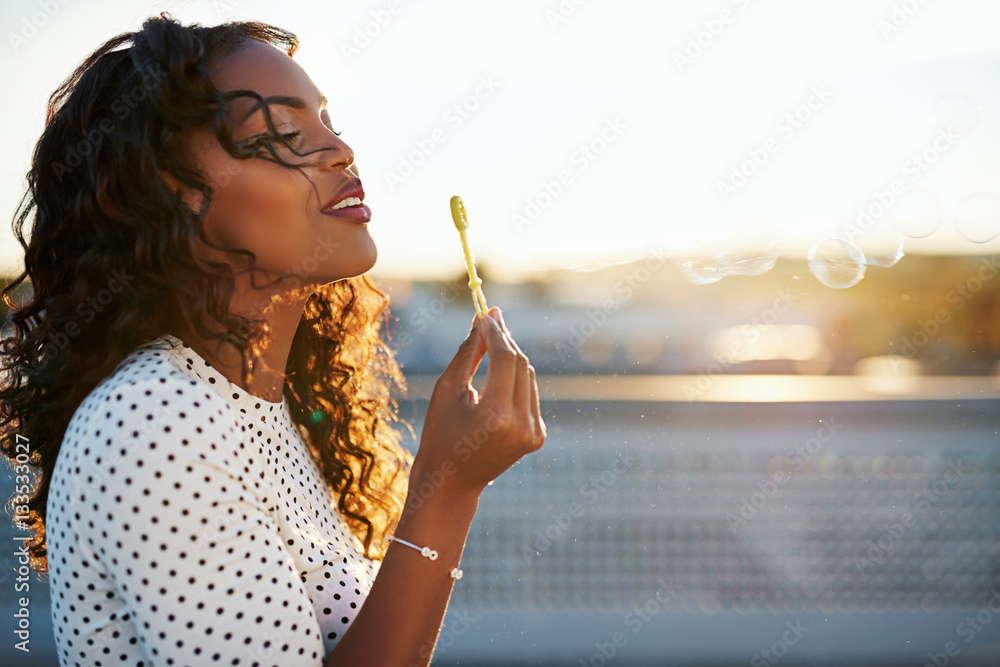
[475, 284]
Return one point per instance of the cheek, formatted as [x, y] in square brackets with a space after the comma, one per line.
[260, 209]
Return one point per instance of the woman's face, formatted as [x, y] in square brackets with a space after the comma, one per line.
[277, 213]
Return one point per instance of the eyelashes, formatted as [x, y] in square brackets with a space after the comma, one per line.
[265, 140]
[289, 139]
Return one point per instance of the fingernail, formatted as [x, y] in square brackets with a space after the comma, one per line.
[495, 322]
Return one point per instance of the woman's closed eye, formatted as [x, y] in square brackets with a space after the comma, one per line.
[263, 140]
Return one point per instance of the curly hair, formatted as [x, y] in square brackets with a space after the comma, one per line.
[100, 207]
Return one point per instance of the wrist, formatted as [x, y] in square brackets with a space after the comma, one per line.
[439, 488]
[438, 518]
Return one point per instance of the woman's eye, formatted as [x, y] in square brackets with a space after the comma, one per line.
[290, 137]
[263, 140]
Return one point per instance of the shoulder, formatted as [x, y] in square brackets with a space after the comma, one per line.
[147, 417]
[148, 389]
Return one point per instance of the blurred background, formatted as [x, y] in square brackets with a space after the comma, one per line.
[752, 251]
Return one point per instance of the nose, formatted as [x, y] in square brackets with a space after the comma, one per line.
[338, 155]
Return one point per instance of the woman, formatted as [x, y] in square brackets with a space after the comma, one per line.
[200, 379]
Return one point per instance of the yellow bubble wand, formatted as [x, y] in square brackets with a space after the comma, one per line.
[475, 284]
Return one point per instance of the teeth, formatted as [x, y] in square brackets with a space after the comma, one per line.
[350, 201]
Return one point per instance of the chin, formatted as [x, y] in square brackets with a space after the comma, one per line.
[358, 268]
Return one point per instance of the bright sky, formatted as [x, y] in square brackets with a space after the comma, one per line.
[498, 102]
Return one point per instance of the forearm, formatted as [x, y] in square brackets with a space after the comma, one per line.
[399, 622]
[488, 431]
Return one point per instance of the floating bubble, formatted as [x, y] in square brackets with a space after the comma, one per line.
[879, 240]
[917, 213]
[702, 270]
[956, 112]
[978, 218]
[753, 247]
[751, 250]
[837, 263]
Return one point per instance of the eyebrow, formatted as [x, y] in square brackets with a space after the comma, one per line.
[283, 100]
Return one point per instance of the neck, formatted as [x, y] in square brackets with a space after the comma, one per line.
[281, 318]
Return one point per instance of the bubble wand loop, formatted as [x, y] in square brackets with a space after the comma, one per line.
[475, 284]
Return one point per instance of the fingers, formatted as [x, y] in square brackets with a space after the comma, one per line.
[466, 360]
[523, 395]
[536, 409]
[498, 386]
[526, 395]
[524, 381]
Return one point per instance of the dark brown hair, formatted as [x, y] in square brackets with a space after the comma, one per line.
[101, 211]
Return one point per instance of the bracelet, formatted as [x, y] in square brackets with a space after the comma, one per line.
[426, 552]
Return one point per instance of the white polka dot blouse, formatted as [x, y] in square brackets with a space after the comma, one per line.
[188, 524]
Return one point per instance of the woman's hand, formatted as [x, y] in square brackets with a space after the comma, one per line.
[469, 437]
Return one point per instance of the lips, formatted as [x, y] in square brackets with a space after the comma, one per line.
[348, 204]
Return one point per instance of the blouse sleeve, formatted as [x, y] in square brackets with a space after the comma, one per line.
[180, 515]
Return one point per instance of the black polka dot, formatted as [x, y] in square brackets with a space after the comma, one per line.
[244, 524]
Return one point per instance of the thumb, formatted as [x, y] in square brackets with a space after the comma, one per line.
[470, 352]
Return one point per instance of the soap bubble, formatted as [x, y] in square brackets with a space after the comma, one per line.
[917, 213]
[837, 263]
[753, 247]
[751, 250]
[702, 269]
[978, 218]
[879, 240]
[956, 112]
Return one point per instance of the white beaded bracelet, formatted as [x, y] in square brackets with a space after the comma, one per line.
[426, 552]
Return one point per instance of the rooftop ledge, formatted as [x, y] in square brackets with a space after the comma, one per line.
[750, 388]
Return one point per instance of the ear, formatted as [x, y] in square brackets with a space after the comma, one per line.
[192, 198]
